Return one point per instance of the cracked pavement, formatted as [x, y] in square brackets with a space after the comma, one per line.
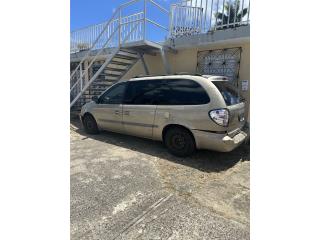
[123, 187]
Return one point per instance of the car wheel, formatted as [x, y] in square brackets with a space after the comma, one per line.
[179, 142]
[90, 124]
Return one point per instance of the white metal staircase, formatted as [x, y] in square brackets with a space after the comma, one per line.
[111, 55]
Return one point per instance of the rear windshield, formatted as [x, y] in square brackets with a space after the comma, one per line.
[229, 93]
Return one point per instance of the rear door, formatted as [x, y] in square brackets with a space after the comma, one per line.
[235, 105]
[139, 108]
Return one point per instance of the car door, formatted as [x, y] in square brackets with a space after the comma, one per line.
[139, 108]
[108, 111]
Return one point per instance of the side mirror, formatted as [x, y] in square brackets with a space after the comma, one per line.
[95, 99]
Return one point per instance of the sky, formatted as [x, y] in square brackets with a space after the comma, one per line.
[88, 12]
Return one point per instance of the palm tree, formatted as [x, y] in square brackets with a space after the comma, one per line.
[231, 15]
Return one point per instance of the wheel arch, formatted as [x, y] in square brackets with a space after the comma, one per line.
[90, 114]
[170, 126]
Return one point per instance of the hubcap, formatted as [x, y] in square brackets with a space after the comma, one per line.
[89, 124]
[178, 141]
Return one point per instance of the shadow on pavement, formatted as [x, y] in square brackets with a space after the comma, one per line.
[206, 161]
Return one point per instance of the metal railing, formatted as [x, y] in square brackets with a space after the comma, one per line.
[81, 85]
[185, 20]
[189, 17]
[111, 35]
[84, 39]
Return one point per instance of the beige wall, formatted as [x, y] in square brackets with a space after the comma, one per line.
[186, 61]
[154, 64]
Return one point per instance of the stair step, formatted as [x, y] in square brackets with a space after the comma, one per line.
[106, 76]
[115, 69]
[115, 73]
[112, 73]
[130, 51]
[114, 62]
[126, 56]
[122, 60]
[99, 88]
[112, 78]
[102, 84]
[89, 96]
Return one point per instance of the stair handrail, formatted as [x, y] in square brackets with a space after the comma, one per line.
[118, 10]
[116, 16]
[96, 41]
[84, 88]
[110, 37]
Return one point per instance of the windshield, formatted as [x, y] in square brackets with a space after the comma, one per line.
[229, 93]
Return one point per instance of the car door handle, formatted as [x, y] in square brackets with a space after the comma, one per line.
[117, 112]
[126, 113]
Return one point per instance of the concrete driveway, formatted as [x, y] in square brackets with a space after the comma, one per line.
[124, 187]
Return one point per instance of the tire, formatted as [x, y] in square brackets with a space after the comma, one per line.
[90, 124]
[179, 142]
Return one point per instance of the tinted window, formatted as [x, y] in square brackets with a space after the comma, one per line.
[166, 92]
[143, 92]
[184, 92]
[228, 92]
[114, 95]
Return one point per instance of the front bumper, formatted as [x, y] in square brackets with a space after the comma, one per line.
[218, 142]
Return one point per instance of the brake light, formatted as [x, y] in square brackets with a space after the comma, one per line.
[220, 116]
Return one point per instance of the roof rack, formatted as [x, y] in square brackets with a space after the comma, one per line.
[141, 76]
[213, 77]
[187, 73]
[181, 73]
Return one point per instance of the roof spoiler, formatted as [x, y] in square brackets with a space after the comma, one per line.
[216, 78]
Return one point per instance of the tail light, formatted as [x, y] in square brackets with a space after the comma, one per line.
[220, 116]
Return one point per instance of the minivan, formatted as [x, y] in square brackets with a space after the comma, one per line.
[186, 112]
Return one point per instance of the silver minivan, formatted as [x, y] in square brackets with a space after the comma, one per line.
[186, 112]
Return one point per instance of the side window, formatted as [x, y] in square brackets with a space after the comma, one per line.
[185, 92]
[114, 95]
[144, 92]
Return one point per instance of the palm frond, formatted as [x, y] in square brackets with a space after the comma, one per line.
[242, 13]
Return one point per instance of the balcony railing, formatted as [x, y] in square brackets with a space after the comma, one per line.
[189, 17]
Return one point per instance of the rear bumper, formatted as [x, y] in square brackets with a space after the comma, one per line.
[218, 142]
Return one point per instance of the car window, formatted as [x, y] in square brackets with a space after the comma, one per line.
[229, 94]
[114, 95]
[143, 92]
[166, 92]
[184, 92]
